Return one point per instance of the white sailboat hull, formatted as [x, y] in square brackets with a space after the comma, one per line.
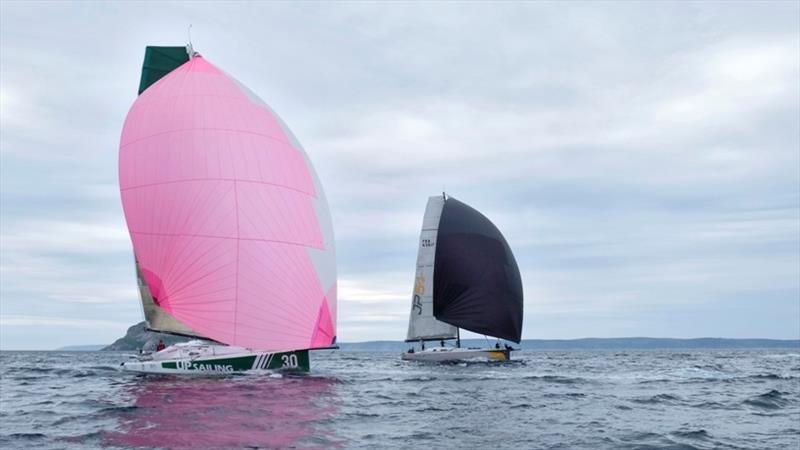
[198, 358]
[441, 354]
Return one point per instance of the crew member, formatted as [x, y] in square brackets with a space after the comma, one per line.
[160, 345]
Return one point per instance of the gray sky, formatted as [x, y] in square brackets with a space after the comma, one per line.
[642, 159]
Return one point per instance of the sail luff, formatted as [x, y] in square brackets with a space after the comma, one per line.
[158, 62]
[422, 325]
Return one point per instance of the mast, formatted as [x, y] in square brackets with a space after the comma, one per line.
[189, 48]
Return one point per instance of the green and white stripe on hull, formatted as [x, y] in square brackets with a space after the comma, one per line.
[297, 360]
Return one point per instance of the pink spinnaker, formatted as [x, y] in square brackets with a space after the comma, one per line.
[228, 220]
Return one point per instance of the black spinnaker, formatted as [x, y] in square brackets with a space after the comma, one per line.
[476, 283]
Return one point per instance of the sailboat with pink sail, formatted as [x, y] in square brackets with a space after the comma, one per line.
[230, 227]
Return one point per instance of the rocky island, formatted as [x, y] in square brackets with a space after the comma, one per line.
[138, 337]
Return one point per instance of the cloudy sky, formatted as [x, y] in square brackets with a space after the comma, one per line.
[642, 159]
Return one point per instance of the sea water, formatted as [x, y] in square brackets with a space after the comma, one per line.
[746, 399]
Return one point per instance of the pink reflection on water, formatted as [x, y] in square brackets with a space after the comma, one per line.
[247, 411]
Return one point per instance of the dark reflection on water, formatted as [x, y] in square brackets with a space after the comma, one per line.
[253, 411]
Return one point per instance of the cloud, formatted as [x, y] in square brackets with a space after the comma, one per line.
[61, 236]
[641, 159]
[12, 320]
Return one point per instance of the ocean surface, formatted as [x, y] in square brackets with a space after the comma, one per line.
[746, 399]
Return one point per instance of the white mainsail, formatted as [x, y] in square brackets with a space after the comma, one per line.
[156, 318]
[422, 324]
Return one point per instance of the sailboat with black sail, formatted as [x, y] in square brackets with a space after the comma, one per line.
[231, 232]
[466, 278]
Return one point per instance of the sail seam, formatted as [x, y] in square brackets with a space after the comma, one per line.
[232, 130]
[236, 289]
[277, 241]
[161, 183]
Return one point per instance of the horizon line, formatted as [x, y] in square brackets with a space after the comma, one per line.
[785, 340]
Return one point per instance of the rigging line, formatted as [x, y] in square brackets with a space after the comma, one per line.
[298, 288]
[238, 245]
[287, 274]
[191, 215]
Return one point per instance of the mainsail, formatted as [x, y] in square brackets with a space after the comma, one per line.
[476, 283]
[156, 318]
[422, 325]
[229, 222]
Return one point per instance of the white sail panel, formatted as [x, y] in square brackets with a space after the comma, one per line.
[156, 318]
[422, 324]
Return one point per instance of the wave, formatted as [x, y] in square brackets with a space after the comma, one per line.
[27, 436]
[782, 356]
[658, 398]
[692, 434]
[521, 405]
[432, 409]
[557, 379]
[117, 410]
[416, 379]
[770, 376]
[771, 400]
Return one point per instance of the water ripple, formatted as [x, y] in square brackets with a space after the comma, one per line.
[569, 400]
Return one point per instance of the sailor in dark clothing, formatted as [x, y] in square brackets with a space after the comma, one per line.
[160, 345]
[497, 345]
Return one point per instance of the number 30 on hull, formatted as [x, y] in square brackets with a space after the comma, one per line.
[294, 361]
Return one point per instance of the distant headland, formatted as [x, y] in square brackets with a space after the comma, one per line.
[138, 337]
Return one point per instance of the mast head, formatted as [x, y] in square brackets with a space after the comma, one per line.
[189, 48]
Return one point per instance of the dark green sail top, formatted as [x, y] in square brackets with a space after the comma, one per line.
[159, 61]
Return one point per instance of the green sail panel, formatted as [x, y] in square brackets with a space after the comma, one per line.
[159, 61]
